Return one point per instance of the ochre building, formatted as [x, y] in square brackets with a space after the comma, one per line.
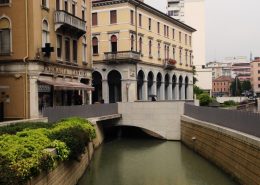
[221, 86]
[45, 55]
[139, 53]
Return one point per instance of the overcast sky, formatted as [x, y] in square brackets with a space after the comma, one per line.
[232, 27]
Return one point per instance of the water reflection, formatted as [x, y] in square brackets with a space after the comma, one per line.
[150, 162]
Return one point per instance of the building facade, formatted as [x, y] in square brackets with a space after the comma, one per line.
[139, 53]
[255, 76]
[45, 55]
[221, 86]
[184, 11]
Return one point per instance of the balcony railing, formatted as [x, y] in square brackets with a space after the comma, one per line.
[122, 56]
[170, 63]
[67, 21]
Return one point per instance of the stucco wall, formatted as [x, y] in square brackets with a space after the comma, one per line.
[235, 152]
[162, 118]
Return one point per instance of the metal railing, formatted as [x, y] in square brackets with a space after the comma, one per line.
[63, 17]
[246, 122]
[122, 55]
[85, 111]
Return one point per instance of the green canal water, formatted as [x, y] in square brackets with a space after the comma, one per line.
[150, 162]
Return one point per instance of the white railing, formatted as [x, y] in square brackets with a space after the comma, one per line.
[62, 17]
[122, 55]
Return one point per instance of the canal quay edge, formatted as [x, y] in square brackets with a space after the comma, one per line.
[233, 151]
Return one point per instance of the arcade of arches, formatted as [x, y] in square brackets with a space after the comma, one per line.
[110, 87]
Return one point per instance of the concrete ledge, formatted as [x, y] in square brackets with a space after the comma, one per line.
[5, 123]
[227, 131]
[103, 118]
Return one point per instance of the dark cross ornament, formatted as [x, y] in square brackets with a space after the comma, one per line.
[48, 50]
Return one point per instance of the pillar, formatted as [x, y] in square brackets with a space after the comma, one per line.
[183, 91]
[105, 91]
[34, 99]
[154, 88]
[190, 91]
[145, 91]
[162, 93]
[177, 97]
[170, 92]
[89, 93]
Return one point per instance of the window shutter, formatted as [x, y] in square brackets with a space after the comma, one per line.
[113, 17]
[94, 19]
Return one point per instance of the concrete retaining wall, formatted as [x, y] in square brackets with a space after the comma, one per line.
[162, 118]
[236, 153]
[69, 172]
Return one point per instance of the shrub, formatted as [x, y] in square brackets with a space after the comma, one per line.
[76, 133]
[23, 155]
[205, 99]
[229, 103]
[13, 129]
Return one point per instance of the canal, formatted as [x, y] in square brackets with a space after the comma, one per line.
[143, 161]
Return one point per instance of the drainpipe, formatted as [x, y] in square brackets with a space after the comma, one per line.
[25, 61]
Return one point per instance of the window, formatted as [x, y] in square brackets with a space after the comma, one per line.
[179, 36]
[167, 31]
[150, 24]
[67, 49]
[140, 20]
[45, 33]
[84, 49]
[150, 48]
[4, 1]
[59, 46]
[45, 3]
[5, 36]
[180, 56]
[113, 17]
[173, 34]
[186, 39]
[173, 53]
[75, 50]
[83, 15]
[158, 27]
[190, 59]
[94, 19]
[258, 78]
[159, 50]
[164, 30]
[66, 7]
[58, 5]
[132, 16]
[186, 58]
[73, 9]
[113, 44]
[258, 85]
[190, 40]
[140, 45]
[132, 42]
[95, 45]
[170, 13]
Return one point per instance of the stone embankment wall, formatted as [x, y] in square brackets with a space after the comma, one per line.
[69, 172]
[236, 153]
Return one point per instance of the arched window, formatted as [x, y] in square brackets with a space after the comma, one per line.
[150, 48]
[84, 49]
[180, 56]
[95, 45]
[159, 50]
[140, 45]
[5, 36]
[113, 44]
[132, 42]
[45, 33]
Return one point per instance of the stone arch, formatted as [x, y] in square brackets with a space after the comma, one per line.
[140, 85]
[97, 84]
[115, 86]
[174, 84]
[180, 87]
[150, 83]
[6, 35]
[186, 81]
[166, 86]
[159, 85]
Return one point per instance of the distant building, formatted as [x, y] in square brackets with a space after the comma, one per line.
[220, 69]
[242, 71]
[221, 86]
[255, 75]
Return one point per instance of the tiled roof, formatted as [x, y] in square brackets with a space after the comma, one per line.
[223, 78]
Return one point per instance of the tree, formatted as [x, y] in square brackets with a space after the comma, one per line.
[194, 73]
[197, 90]
[205, 99]
[246, 86]
[235, 87]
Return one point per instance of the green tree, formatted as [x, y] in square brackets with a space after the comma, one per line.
[246, 86]
[194, 73]
[205, 99]
[235, 87]
[197, 90]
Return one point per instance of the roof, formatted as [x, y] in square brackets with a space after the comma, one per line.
[145, 7]
[223, 78]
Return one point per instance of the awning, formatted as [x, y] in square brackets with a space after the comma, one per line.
[63, 85]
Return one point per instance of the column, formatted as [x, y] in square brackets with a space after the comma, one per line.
[170, 92]
[89, 97]
[183, 91]
[34, 103]
[105, 91]
[145, 91]
[190, 92]
[177, 97]
[162, 93]
[154, 88]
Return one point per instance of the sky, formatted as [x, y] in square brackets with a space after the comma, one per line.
[232, 27]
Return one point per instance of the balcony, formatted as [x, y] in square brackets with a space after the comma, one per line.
[170, 63]
[127, 56]
[69, 23]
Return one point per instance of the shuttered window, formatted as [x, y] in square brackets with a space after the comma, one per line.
[75, 50]
[132, 16]
[113, 17]
[59, 46]
[67, 49]
[94, 19]
[4, 1]
[95, 45]
[5, 44]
